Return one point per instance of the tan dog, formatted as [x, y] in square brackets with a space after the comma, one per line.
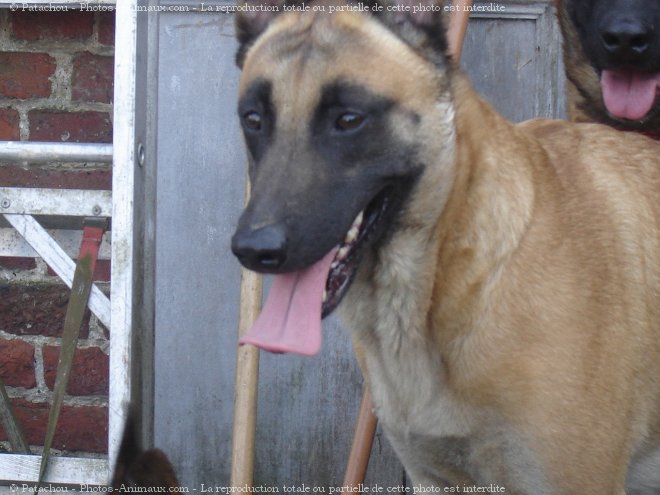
[502, 281]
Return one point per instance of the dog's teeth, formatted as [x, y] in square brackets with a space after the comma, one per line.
[352, 235]
[334, 264]
[355, 229]
[325, 296]
[342, 253]
[358, 220]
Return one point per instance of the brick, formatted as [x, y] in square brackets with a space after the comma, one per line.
[9, 125]
[92, 78]
[14, 176]
[26, 75]
[106, 28]
[13, 263]
[34, 26]
[79, 127]
[89, 372]
[35, 309]
[17, 364]
[79, 429]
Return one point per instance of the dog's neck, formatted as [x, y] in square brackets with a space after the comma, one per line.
[452, 255]
[411, 305]
[489, 211]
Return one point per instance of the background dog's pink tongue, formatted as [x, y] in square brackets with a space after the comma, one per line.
[629, 94]
[290, 320]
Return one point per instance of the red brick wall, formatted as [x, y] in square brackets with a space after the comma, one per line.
[56, 73]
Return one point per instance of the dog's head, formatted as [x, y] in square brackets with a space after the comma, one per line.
[338, 107]
[612, 53]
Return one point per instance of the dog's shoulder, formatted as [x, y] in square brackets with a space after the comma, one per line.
[611, 178]
[597, 147]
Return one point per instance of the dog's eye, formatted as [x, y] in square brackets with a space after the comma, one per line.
[349, 121]
[252, 121]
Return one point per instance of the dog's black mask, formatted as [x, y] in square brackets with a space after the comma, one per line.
[309, 185]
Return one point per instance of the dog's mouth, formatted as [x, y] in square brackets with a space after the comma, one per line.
[290, 320]
[345, 262]
[630, 95]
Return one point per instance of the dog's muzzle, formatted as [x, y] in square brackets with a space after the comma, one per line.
[262, 249]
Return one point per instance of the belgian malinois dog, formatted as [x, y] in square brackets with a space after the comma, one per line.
[501, 282]
[612, 58]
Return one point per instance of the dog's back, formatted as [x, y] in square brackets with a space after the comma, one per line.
[614, 204]
[573, 305]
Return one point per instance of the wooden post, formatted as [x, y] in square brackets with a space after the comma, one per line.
[363, 439]
[247, 375]
[246, 386]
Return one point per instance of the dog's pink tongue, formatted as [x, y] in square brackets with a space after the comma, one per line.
[629, 94]
[290, 321]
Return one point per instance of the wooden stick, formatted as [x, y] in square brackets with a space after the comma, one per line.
[365, 428]
[247, 375]
[363, 439]
[246, 387]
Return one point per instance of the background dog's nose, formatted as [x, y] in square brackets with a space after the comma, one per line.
[262, 249]
[626, 38]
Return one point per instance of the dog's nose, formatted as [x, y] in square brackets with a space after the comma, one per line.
[626, 38]
[262, 249]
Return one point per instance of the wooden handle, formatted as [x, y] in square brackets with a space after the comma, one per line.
[246, 387]
[363, 439]
[247, 375]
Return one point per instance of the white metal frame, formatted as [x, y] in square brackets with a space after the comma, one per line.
[123, 214]
[18, 205]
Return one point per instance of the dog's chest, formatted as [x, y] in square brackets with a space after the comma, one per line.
[441, 438]
[410, 393]
[406, 374]
[428, 427]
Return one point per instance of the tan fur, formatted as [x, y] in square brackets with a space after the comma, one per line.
[510, 327]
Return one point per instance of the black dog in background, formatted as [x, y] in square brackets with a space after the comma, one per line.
[612, 58]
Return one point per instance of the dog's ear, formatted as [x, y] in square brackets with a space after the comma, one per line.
[420, 23]
[251, 19]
